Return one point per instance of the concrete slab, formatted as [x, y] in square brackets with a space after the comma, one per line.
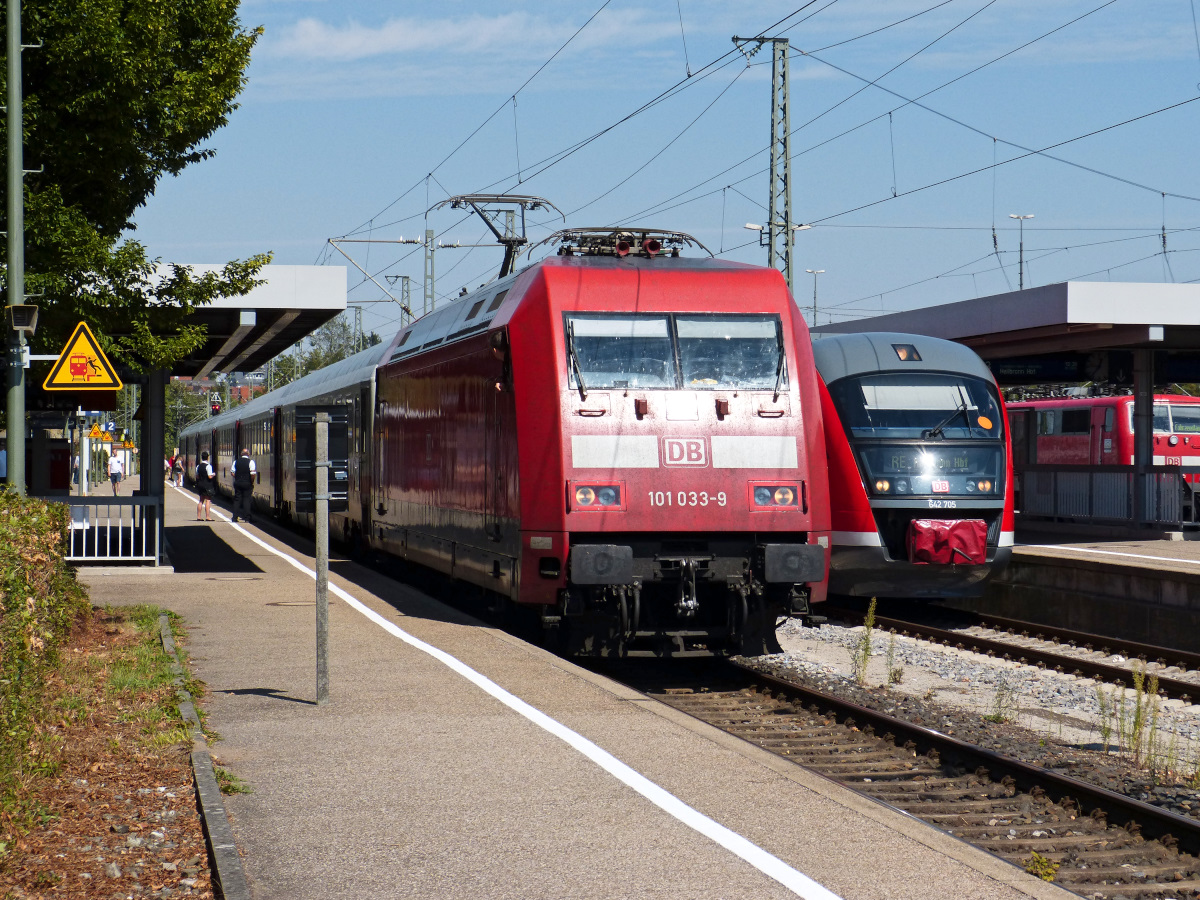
[413, 782]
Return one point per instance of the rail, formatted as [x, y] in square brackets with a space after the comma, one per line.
[114, 529]
[1106, 494]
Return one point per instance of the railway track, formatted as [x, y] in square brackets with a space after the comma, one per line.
[1051, 648]
[1097, 843]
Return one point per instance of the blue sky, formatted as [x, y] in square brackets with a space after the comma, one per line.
[354, 114]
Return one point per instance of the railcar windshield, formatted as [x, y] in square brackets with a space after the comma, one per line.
[1184, 419]
[918, 405]
[698, 352]
[1171, 418]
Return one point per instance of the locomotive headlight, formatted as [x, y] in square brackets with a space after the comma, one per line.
[597, 497]
[901, 486]
[985, 486]
[882, 486]
[775, 496]
[971, 487]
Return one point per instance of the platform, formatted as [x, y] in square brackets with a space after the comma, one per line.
[1141, 590]
[423, 779]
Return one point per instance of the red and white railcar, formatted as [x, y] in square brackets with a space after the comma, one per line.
[627, 441]
[919, 466]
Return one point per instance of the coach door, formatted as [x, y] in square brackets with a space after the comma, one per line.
[276, 462]
[379, 479]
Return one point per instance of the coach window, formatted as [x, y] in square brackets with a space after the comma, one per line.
[1076, 421]
[729, 351]
[1046, 421]
[619, 352]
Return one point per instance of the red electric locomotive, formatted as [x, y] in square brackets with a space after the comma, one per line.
[1099, 430]
[919, 466]
[626, 441]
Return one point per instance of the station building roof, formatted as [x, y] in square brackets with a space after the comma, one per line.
[1078, 316]
[244, 332]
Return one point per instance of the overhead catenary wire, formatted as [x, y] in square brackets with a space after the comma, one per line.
[864, 124]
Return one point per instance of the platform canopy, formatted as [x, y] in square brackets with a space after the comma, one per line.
[1066, 326]
[244, 332]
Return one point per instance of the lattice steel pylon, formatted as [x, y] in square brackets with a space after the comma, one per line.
[781, 236]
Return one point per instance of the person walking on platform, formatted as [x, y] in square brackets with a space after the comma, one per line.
[243, 486]
[116, 473]
[177, 469]
[205, 479]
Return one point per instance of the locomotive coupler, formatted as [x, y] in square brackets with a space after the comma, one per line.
[687, 604]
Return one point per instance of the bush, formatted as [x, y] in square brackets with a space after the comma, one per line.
[39, 602]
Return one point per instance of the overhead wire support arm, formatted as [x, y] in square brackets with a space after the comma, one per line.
[335, 242]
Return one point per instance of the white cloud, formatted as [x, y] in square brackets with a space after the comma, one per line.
[515, 34]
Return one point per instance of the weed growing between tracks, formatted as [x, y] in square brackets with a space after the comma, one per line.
[860, 653]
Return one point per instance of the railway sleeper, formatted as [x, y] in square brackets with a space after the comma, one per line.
[897, 797]
[1011, 843]
[1133, 890]
[1050, 829]
[1114, 873]
[795, 748]
[898, 776]
[1137, 854]
[1000, 806]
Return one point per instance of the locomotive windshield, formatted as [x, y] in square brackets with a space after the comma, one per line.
[917, 405]
[674, 350]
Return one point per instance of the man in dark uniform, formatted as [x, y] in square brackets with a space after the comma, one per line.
[243, 486]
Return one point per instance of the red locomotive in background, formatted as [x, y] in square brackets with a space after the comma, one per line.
[623, 440]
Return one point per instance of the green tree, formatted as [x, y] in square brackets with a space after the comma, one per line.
[332, 342]
[119, 94]
[184, 406]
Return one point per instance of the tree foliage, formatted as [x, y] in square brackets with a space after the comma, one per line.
[332, 342]
[121, 93]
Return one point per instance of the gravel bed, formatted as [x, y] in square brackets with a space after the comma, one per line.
[1042, 717]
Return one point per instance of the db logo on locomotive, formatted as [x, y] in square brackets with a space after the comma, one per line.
[685, 452]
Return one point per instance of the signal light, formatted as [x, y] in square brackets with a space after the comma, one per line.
[216, 408]
[775, 496]
[597, 496]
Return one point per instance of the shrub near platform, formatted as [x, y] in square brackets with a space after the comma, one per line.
[40, 600]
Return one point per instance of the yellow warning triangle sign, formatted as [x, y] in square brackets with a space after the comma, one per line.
[107, 436]
[95, 432]
[82, 366]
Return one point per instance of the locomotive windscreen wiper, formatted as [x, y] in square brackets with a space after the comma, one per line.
[780, 371]
[574, 357]
[960, 411]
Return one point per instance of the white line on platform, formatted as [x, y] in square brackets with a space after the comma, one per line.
[770, 865]
[1172, 559]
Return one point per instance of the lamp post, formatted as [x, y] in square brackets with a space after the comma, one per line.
[1021, 252]
[765, 240]
[814, 273]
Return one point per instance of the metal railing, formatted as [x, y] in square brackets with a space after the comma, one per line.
[1106, 494]
[114, 529]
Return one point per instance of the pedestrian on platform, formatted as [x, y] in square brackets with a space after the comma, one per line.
[206, 479]
[177, 469]
[244, 471]
[116, 473]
